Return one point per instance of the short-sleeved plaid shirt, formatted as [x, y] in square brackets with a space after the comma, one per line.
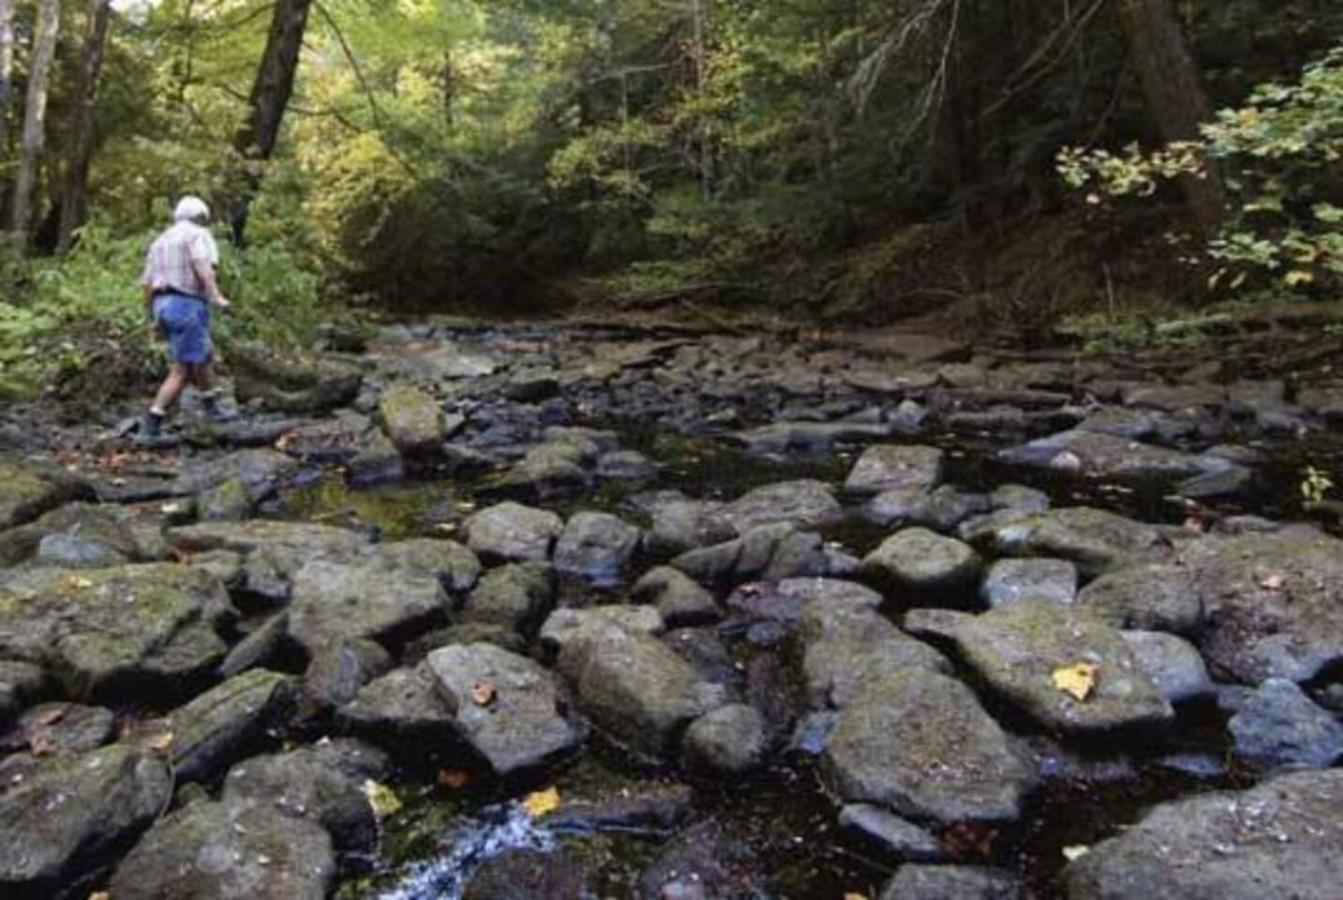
[171, 262]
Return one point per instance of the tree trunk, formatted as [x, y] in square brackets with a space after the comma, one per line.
[1174, 92]
[75, 204]
[6, 67]
[34, 117]
[255, 140]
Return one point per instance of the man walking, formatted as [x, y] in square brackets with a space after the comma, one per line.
[179, 286]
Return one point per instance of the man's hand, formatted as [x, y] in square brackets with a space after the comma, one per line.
[221, 301]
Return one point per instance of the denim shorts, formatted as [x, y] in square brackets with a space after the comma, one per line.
[184, 321]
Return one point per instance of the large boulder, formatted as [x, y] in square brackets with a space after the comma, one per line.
[292, 382]
[1279, 840]
[1018, 649]
[1096, 540]
[413, 421]
[333, 601]
[917, 560]
[456, 567]
[1097, 455]
[891, 467]
[508, 708]
[679, 599]
[122, 631]
[597, 547]
[273, 551]
[228, 851]
[27, 491]
[403, 704]
[511, 532]
[802, 504]
[1279, 726]
[63, 821]
[83, 535]
[214, 729]
[919, 743]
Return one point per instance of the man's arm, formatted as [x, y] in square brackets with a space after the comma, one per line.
[206, 273]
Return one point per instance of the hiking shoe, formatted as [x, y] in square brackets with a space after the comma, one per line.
[213, 411]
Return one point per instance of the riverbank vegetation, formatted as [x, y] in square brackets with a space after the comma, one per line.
[1008, 164]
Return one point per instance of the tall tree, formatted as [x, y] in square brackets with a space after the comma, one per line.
[1173, 88]
[74, 205]
[274, 84]
[34, 117]
[6, 64]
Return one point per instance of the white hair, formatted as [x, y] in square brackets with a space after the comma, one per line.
[191, 209]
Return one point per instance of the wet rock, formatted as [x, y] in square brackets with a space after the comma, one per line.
[1325, 401]
[1098, 455]
[335, 601]
[60, 728]
[625, 465]
[597, 547]
[1228, 482]
[1273, 602]
[1172, 663]
[213, 730]
[228, 851]
[783, 437]
[256, 473]
[932, 882]
[916, 559]
[511, 532]
[895, 835]
[73, 812]
[920, 744]
[524, 874]
[377, 461]
[119, 631]
[1174, 398]
[573, 626]
[405, 704]
[273, 550]
[1280, 839]
[413, 421]
[700, 862]
[1012, 580]
[802, 504]
[1094, 539]
[679, 524]
[505, 706]
[227, 502]
[1279, 726]
[292, 382]
[303, 784]
[83, 535]
[635, 687]
[1016, 649]
[643, 806]
[769, 553]
[1019, 498]
[338, 671]
[730, 740]
[518, 596]
[679, 600]
[1151, 598]
[891, 467]
[27, 491]
[456, 567]
[20, 684]
[549, 470]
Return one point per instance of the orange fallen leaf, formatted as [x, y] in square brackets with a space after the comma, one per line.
[855, 895]
[453, 779]
[1077, 681]
[483, 693]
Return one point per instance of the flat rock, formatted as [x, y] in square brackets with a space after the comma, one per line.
[512, 532]
[679, 599]
[27, 491]
[1279, 726]
[65, 820]
[1097, 455]
[521, 722]
[1149, 597]
[896, 835]
[1094, 539]
[932, 882]
[678, 523]
[334, 601]
[892, 467]
[518, 596]
[916, 559]
[768, 553]
[1017, 648]
[61, 728]
[919, 743]
[1012, 580]
[1173, 664]
[730, 740]
[83, 535]
[597, 547]
[228, 851]
[405, 704]
[213, 730]
[803, 504]
[1277, 840]
[456, 567]
[526, 874]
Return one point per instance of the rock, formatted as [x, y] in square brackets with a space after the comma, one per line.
[525, 874]
[680, 524]
[1273, 603]
[376, 462]
[811, 437]
[228, 502]
[644, 806]
[635, 687]
[904, 839]
[518, 596]
[1229, 482]
[456, 567]
[61, 728]
[891, 467]
[547, 471]
[338, 671]
[1280, 726]
[730, 740]
[1177, 397]
[1012, 580]
[302, 784]
[228, 851]
[1019, 498]
[508, 708]
[1278, 840]
[254, 474]
[679, 600]
[1017, 648]
[802, 504]
[919, 560]
[1151, 598]
[1096, 540]
[335, 601]
[930, 882]
[769, 553]
[1096, 455]
[273, 550]
[1325, 401]
[291, 382]
[75, 811]
[213, 730]
[700, 862]
[625, 465]
[83, 535]
[404, 704]
[27, 491]
[511, 532]
[571, 626]
[1172, 663]
[413, 421]
[919, 743]
[20, 684]
[123, 631]
[597, 547]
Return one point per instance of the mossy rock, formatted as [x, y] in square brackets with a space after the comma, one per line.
[27, 491]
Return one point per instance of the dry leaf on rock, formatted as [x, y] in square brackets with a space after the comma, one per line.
[1077, 681]
[483, 693]
[381, 798]
[454, 778]
[1076, 851]
[539, 803]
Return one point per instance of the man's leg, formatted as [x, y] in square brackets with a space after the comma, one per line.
[202, 378]
[166, 396]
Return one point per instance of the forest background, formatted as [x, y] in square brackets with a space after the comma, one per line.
[1017, 165]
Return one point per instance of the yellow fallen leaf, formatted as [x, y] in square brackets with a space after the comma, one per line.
[1077, 681]
[100, 895]
[383, 799]
[161, 742]
[77, 583]
[483, 693]
[539, 803]
[854, 895]
[1076, 851]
